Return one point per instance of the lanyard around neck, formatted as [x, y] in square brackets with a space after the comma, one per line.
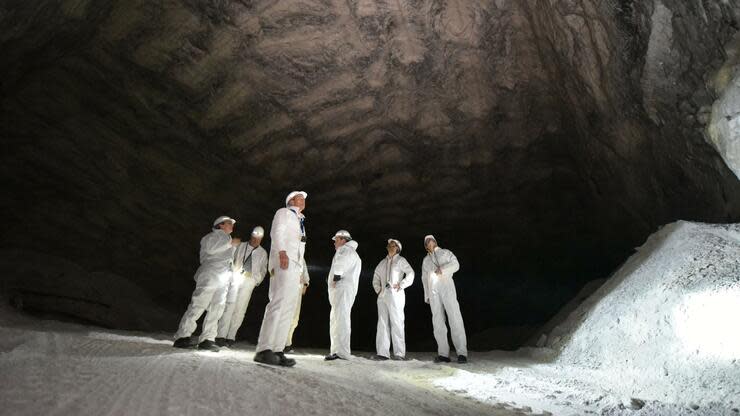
[301, 219]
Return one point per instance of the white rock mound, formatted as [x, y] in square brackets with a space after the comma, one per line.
[666, 326]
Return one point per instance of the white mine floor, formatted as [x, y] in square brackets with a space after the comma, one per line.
[55, 368]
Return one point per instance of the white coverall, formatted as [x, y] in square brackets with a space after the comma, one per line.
[297, 314]
[440, 294]
[286, 235]
[347, 264]
[242, 284]
[391, 302]
[211, 284]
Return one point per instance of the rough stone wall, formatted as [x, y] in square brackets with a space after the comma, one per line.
[535, 138]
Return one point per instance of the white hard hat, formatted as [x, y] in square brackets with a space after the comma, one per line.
[258, 231]
[294, 193]
[223, 218]
[343, 234]
[398, 243]
[429, 237]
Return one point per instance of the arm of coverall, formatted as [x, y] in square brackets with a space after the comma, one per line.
[356, 278]
[305, 278]
[279, 226]
[376, 279]
[261, 268]
[425, 277]
[236, 265]
[451, 267]
[216, 243]
[341, 260]
[409, 278]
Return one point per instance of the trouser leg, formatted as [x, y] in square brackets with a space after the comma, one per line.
[225, 322]
[343, 324]
[215, 310]
[333, 327]
[439, 325]
[382, 338]
[226, 318]
[457, 327]
[202, 295]
[240, 307]
[396, 316]
[279, 310]
[296, 316]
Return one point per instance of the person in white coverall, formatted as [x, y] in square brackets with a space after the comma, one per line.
[392, 276]
[286, 266]
[302, 288]
[343, 280]
[211, 284]
[248, 271]
[437, 269]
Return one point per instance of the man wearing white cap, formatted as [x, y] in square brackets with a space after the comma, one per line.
[286, 266]
[211, 284]
[439, 292]
[248, 270]
[343, 280]
[392, 276]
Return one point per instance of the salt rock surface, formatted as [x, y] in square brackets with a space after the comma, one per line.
[664, 327]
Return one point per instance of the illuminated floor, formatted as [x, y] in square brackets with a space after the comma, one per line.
[55, 368]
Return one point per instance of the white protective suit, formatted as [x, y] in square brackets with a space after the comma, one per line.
[297, 313]
[243, 281]
[391, 302]
[440, 294]
[347, 265]
[211, 284]
[286, 234]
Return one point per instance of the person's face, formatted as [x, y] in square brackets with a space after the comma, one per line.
[255, 241]
[392, 248]
[227, 226]
[430, 245]
[298, 201]
[339, 242]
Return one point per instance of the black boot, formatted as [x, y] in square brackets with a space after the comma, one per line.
[208, 345]
[441, 359]
[267, 357]
[285, 361]
[331, 357]
[222, 342]
[461, 359]
[183, 342]
[377, 357]
[288, 349]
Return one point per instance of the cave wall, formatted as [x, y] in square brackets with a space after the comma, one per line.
[541, 140]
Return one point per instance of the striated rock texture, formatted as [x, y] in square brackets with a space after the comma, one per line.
[540, 140]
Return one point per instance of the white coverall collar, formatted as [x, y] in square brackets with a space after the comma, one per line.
[297, 212]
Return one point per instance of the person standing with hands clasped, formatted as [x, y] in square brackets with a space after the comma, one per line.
[437, 269]
[248, 270]
[392, 276]
[286, 266]
[342, 282]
